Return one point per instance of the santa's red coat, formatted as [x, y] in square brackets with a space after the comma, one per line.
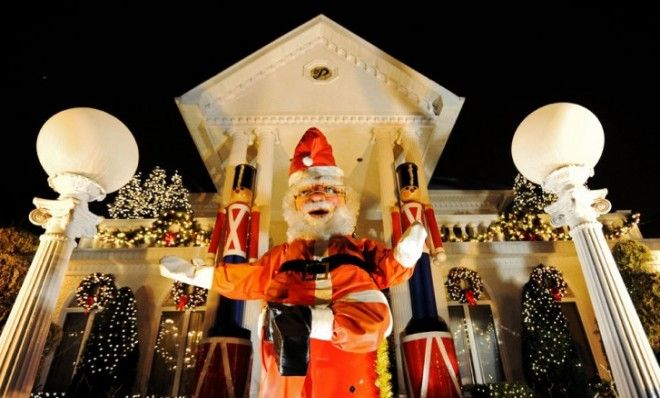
[344, 365]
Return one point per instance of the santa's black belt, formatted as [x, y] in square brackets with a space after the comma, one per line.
[324, 265]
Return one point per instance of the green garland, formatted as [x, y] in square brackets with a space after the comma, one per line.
[471, 293]
[95, 291]
[173, 228]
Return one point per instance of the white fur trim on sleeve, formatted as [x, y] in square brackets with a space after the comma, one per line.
[405, 257]
[179, 269]
[322, 322]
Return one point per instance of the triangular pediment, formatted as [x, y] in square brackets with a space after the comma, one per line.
[321, 75]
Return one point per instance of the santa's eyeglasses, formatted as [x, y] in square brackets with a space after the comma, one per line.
[326, 190]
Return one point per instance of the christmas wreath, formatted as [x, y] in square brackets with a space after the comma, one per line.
[469, 294]
[551, 279]
[187, 296]
[95, 291]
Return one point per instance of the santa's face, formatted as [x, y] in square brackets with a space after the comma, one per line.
[319, 202]
[319, 211]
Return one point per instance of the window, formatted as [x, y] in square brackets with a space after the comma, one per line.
[173, 367]
[570, 310]
[477, 347]
[75, 332]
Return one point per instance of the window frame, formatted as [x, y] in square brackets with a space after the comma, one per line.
[185, 324]
[478, 377]
[71, 308]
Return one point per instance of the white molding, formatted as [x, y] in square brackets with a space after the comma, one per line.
[260, 120]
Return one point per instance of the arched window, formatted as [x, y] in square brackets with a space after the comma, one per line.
[76, 327]
[570, 310]
[477, 345]
[173, 365]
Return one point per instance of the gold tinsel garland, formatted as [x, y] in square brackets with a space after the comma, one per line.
[384, 381]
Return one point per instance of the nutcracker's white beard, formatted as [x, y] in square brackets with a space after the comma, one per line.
[302, 225]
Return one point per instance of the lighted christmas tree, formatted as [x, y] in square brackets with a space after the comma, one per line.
[108, 365]
[130, 200]
[551, 363]
[635, 262]
[529, 197]
[150, 198]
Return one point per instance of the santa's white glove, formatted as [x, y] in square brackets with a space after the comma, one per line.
[410, 247]
[195, 273]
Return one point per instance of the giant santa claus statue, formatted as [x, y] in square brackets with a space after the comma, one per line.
[325, 314]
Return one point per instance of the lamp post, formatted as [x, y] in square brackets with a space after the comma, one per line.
[86, 154]
[557, 146]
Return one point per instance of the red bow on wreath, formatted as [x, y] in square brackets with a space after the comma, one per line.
[469, 296]
[556, 294]
[181, 304]
[90, 302]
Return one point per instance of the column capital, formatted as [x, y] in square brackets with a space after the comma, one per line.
[68, 216]
[408, 133]
[240, 134]
[576, 204]
[265, 133]
[388, 133]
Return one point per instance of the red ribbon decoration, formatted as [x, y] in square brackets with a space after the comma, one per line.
[469, 296]
[181, 305]
[170, 238]
[556, 294]
[90, 302]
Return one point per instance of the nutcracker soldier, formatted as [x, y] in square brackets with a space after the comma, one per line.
[428, 349]
[236, 229]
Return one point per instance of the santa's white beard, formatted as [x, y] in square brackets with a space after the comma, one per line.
[302, 225]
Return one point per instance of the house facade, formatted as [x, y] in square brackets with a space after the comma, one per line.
[376, 113]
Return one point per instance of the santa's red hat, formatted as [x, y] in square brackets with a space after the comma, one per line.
[313, 162]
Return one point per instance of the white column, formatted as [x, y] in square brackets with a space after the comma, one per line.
[266, 140]
[635, 369]
[384, 138]
[24, 335]
[409, 139]
[264, 192]
[400, 294]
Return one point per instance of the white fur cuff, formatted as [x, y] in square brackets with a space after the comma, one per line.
[405, 258]
[322, 322]
[176, 268]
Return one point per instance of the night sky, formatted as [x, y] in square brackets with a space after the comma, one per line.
[132, 63]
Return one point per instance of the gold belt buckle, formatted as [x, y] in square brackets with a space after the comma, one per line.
[324, 276]
[321, 276]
